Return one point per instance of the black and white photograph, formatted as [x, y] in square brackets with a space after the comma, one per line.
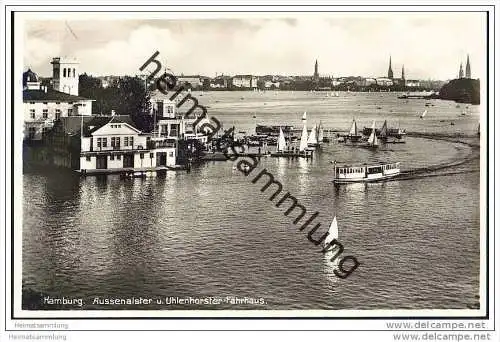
[250, 164]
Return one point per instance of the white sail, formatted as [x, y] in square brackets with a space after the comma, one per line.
[281, 142]
[304, 117]
[320, 133]
[333, 232]
[303, 139]
[372, 140]
[312, 140]
[354, 128]
[423, 114]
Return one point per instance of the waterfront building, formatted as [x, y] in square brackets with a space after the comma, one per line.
[382, 81]
[193, 81]
[467, 68]
[220, 82]
[169, 122]
[114, 143]
[369, 81]
[244, 81]
[390, 74]
[44, 105]
[412, 83]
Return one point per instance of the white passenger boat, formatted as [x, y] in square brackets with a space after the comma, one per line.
[365, 173]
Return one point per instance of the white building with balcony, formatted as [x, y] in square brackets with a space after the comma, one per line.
[114, 144]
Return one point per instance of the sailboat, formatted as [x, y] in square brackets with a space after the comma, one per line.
[372, 140]
[281, 142]
[312, 140]
[383, 131]
[321, 133]
[304, 117]
[333, 234]
[303, 138]
[423, 114]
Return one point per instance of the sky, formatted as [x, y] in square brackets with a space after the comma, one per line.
[430, 45]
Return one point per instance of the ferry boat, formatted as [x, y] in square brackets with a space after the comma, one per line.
[365, 173]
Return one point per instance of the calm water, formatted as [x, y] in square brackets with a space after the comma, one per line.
[211, 232]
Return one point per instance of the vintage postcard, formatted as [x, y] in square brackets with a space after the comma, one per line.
[301, 163]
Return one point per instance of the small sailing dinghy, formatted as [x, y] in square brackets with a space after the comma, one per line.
[423, 114]
[333, 234]
[312, 140]
[321, 133]
[372, 139]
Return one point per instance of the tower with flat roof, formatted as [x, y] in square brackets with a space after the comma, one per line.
[65, 75]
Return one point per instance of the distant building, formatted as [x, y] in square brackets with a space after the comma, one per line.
[461, 72]
[220, 82]
[195, 81]
[316, 73]
[369, 81]
[244, 81]
[467, 68]
[385, 82]
[44, 105]
[412, 83]
[403, 74]
[390, 74]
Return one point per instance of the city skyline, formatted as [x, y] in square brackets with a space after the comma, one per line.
[361, 45]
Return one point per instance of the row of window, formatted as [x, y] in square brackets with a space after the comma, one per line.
[45, 113]
[115, 141]
[119, 156]
[69, 72]
[32, 132]
[352, 170]
[46, 103]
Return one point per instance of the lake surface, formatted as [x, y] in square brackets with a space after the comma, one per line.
[213, 233]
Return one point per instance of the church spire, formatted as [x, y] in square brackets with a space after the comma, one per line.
[316, 74]
[390, 74]
[461, 72]
[467, 68]
[403, 72]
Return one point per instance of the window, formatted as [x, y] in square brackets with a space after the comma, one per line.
[118, 157]
[111, 157]
[171, 154]
[70, 111]
[58, 102]
[131, 141]
[142, 155]
[58, 114]
[64, 72]
[31, 133]
[32, 102]
[87, 158]
[45, 130]
[32, 113]
[117, 141]
[151, 155]
[125, 141]
[74, 72]
[45, 113]
[45, 103]
[112, 141]
[98, 142]
[104, 142]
